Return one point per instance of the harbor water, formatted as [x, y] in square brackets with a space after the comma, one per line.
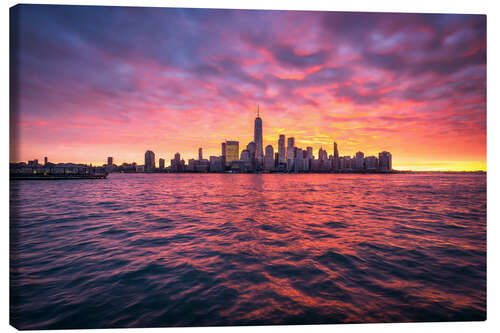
[142, 250]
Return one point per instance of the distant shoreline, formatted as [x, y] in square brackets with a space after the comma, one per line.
[361, 172]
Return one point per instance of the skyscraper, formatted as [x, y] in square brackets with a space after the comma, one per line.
[335, 150]
[149, 161]
[223, 149]
[257, 137]
[223, 154]
[281, 149]
[110, 160]
[232, 151]
[290, 150]
[161, 163]
[200, 153]
[45, 160]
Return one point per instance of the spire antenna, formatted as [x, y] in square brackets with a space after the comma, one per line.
[258, 111]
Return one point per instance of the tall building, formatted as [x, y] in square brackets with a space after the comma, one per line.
[223, 150]
[223, 155]
[149, 161]
[45, 160]
[232, 151]
[200, 154]
[385, 161]
[281, 149]
[308, 157]
[298, 164]
[335, 150]
[161, 163]
[257, 136]
[110, 161]
[290, 150]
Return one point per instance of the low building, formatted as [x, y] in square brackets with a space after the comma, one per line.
[371, 163]
[216, 164]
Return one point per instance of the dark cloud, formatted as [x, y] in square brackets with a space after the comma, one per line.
[287, 56]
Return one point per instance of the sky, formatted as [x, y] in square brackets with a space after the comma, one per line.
[91, 82]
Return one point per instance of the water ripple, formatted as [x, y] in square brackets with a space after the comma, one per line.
[142, 250]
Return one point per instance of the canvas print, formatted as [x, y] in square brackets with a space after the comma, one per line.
[226, 167]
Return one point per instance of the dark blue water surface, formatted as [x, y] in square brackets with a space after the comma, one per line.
[139, 250]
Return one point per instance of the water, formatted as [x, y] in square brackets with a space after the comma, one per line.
[141, 250]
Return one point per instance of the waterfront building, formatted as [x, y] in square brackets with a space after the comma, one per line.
[269, 161]
[202, 165]
[216, 164]
[269, 151]
[161, 163]
[331, 162]
[257, 137]
[128, 167]
[336, 159]
[245, 155]
[290, 153]
[177, 165]
[309, 156]
[298, 163]
[345, 163]
[385, 161]
[239, 166]
[232, 151]
[322, 164]
[322, 154]
[252, 149]
[359, 160]
[223, 153]
[149, 161]
[140, 168]
[309, 152]
[371, 163]
[281, 149]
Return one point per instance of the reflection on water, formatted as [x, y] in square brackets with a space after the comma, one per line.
[174, 250]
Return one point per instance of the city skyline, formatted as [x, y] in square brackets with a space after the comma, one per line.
[265, 160]
[411, 84]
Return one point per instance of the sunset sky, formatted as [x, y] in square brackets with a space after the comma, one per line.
[92, 82]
